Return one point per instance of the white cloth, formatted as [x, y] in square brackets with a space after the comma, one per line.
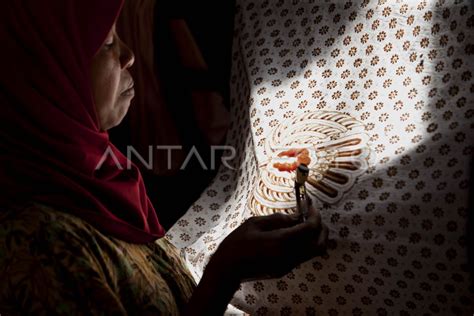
[381, 95]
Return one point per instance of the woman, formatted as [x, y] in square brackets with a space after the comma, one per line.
[78, 234]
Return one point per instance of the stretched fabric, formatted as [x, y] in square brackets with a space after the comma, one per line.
[377, 97]
[50, 142]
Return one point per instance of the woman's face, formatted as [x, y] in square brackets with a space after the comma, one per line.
[112, 84]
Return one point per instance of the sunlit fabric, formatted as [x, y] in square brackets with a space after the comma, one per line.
[377, 97]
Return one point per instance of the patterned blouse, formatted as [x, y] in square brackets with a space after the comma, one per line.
[53, 263]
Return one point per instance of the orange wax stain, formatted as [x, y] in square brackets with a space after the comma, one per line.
[301, 155]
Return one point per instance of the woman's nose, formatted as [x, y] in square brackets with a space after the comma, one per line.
[127, 57]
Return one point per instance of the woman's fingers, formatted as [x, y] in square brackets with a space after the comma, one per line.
[305, 240]
[274, 221]
[271, 246]
[323, 237]
[314, 217]
[320, 246]
[306, 249]
[304, 230]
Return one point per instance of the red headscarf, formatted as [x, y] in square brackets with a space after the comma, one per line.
[50, 142]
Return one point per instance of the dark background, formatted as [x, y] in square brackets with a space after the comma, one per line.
[211, 22]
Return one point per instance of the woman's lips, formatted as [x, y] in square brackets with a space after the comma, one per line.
[130, 91]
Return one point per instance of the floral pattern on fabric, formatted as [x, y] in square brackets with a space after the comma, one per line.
[404, 70]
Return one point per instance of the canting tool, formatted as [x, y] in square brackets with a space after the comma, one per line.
[302, 198]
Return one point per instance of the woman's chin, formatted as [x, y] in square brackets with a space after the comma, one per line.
[120, 112]
[124, 103]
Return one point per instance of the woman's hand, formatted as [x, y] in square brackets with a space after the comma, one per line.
[269, 246]
[262, 247]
